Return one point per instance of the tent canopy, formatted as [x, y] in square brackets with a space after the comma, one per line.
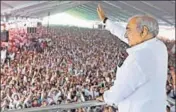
[163, 11]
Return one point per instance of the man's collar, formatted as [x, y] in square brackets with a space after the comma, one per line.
[141, 45]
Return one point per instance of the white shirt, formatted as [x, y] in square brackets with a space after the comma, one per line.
[3, 54]
[173, 49]
[12, 56]
[94, 94]
[141, 80]
[55, 97]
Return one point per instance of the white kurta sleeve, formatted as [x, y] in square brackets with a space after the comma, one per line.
[131, 78]
[116, 29]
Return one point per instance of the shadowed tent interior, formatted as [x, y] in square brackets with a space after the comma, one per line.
[164, 11]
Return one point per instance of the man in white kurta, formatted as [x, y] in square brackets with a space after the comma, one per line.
[3, 56]
[141, 80]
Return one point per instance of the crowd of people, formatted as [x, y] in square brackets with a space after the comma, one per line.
[75, 65]
[171, 82]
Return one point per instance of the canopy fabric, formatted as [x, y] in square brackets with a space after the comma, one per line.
[163, 11]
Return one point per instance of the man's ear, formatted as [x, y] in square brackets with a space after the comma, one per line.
[144, 32]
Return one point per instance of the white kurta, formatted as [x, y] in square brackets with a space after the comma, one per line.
[141, 80]
[3, 54]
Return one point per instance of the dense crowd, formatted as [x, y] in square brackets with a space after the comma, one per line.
[64, 65]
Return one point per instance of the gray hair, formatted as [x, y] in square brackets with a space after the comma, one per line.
[148, 21]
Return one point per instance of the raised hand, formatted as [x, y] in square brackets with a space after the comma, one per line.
[100, 12]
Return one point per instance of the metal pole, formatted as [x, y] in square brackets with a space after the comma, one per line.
[48, 21]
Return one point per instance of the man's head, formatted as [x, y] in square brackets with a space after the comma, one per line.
[140, 29]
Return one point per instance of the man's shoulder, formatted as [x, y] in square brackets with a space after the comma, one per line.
[152, 50]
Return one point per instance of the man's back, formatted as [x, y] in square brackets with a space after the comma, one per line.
[141, 79]
[151, 59]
